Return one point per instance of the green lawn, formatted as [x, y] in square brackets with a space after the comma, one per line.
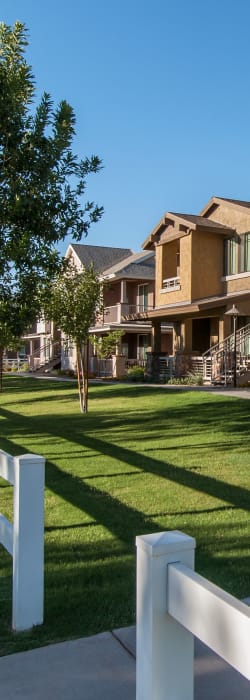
[143, 460]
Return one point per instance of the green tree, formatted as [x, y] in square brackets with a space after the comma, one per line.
[75, 302]
[42, 183]
[106, 345]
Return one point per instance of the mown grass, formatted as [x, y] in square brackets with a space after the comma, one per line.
[143, 460]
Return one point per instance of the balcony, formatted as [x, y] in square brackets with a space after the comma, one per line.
[123, 312]
[171, 284]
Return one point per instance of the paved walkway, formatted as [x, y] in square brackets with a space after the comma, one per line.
[239, 393]
[103, 668]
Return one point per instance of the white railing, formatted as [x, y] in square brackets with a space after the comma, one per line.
[135, 363]
[174, 604]
[171, 283]
[14, 364]
[24, 538]
[104, 367]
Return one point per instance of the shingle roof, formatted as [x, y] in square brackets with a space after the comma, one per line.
[200, 221]
[135, 262]
[140, 271]
[241, 202]
[101, 257]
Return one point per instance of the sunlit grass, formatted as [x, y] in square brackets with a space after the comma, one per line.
[142, 460]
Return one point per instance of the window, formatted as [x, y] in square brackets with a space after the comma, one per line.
[142, 347]
[244, 253]
[143, 297]
[229, 257]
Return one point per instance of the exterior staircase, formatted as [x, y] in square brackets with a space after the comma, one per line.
[219, 362]
[45, 358]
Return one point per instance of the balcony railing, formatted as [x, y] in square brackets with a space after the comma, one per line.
[171, 284]
[121, 311]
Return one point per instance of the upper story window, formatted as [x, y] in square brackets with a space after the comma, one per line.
[230, 257]
[237, 255]
[244, 253]
[143, 297]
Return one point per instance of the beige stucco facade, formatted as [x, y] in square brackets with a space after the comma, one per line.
[194, 284]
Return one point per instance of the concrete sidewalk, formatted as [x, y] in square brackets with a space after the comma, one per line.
[103, 668]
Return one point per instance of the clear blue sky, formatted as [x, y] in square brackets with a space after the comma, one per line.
[161, 92]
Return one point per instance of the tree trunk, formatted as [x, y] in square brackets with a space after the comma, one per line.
[86, 374]
[83, 376]
[79, 378]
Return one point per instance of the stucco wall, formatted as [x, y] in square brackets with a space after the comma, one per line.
[233, 216]
[162, 252]
[207, 264]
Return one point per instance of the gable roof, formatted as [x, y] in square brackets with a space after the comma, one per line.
[214, 202]
[139, 265]
[188, 222]
[200, 221]
[101, 257]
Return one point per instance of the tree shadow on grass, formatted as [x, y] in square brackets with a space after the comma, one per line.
[88, 567]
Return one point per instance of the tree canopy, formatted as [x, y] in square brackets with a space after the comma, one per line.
[42, 184]
[74, 303]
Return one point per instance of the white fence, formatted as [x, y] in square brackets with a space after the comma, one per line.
[173, 604]
[15, 364]
[24, 538]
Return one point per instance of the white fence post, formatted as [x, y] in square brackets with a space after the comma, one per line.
[164, 649]
[28, 537]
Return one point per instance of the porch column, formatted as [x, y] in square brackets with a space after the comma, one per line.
[176, 337]
[186, 335]
[123, 292]
[156, 336]
[214, 330]
[224, 327]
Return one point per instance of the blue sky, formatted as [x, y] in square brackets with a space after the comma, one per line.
[161, 93]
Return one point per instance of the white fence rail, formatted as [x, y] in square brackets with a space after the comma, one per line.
[25, 537]
[173, 604]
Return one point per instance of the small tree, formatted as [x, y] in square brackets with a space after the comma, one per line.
[106, 345]
[75, 302]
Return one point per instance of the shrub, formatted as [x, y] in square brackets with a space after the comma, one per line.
[24, 367]
[191, 379]
[136, 374]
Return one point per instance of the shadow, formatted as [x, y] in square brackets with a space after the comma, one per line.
[79, 569]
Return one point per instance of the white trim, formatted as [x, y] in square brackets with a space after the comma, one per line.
[237, 276]
[170, 289]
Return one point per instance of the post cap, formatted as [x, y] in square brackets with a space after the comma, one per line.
[160, 543]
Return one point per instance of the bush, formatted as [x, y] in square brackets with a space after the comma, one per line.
[136, 374]
[65, 373]
[190, 379]
[24, 367]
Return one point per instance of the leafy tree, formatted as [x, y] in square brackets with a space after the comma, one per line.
[42, 183]
[107, 344]
[75, 302]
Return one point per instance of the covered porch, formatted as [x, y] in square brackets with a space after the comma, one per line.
[197, 330]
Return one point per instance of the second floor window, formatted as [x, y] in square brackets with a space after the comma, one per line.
[143, 297]
[244, 253]
[229, 257]
[237, 255]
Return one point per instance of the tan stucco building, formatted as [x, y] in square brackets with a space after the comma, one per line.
[202, 269]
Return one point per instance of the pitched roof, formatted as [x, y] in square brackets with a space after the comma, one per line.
[101, 257]
[138, 265]
[191, 221]
[240, 202]
[214, 202]
[200, 221]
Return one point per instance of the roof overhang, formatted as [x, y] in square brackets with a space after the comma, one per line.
[199, 307]
[173, 226]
